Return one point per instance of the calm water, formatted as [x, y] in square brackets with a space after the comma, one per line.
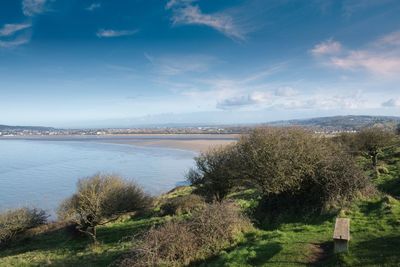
[42, 173]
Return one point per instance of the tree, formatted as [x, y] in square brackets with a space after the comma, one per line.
[293, 168]
[100, 199]
[276, 159]
[398, 129]
[371, 141]
[215, 172]
[14, 222]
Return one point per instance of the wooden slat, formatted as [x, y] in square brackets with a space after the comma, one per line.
[342, 229]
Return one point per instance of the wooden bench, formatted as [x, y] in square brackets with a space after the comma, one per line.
[341, 235]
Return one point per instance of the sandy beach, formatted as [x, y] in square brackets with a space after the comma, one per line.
[192, 142]
[193, 145]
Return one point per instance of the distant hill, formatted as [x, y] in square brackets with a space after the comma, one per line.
[22, 128]
[350, 122]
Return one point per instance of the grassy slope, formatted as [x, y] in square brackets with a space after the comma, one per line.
[375, 230]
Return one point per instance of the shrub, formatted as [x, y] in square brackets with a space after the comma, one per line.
[172, 244]
[100, 199]
[215, 174]
[17, 221]
[383, 170]
[371, 141]
[217, 225]
[178, 243]
[294, 169]
[182, 205]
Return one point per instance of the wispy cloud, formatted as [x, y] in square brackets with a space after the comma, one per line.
[103, 33]
[376, 63]
[380, 57]
[350, 7]
[180, 64]
[392, 103]
[329, 47]
[21, 40]
[392, 39]
[286, 91]
[10, 29]
[33, 7]
[185, 13]
[325, 102]
[174, 3]
[93, 6]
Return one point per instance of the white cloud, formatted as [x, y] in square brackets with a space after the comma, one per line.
[377, 63]
[328, 47]
[10, 29]
[21, 40]
[380, 57]
[102, 33]
[176, 65]
[325, 102]
[93, 6]
[173, 3]
[392, 103]
[184, 13]
[286, 92]
[244, 100]
[33, 7]
[389, 39]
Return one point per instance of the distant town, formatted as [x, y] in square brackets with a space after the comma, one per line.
[323, 125]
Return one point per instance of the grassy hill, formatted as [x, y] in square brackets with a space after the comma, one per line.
[375, 229]
[292, 241]
[350, 122]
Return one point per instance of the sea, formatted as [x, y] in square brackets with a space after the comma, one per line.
[41, 173]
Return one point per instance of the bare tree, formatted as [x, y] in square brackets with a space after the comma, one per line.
[100, 199]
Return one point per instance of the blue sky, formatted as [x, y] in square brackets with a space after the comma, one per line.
[90, 63]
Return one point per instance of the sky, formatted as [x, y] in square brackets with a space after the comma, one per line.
[121, 63]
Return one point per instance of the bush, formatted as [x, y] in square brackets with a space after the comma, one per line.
[294, 169]
[101, 199]
[17, 221]
[383, 170]
[178, 243]
[172, 244]
[217, 226]
[182, 205]
[371, 141]
[215, 174]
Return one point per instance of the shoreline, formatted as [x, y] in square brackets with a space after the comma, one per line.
[190, 142]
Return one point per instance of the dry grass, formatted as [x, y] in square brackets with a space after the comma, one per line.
[178, 243]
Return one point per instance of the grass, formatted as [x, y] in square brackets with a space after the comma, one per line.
[375, 235]
[57, 248]
[375, 230]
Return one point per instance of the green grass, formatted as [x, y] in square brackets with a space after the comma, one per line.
[57, 248]
[375, 235]
[375, 232]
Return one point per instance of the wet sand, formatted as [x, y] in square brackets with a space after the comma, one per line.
[193, 145]
[192, 142]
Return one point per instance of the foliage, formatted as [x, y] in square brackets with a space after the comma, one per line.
[17, 221]
[100, 199]
[215, 173]
[178, 243]
[371, 141]
[182, 205]
[295, 169]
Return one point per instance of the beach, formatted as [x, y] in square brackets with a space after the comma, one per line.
[192, 142]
